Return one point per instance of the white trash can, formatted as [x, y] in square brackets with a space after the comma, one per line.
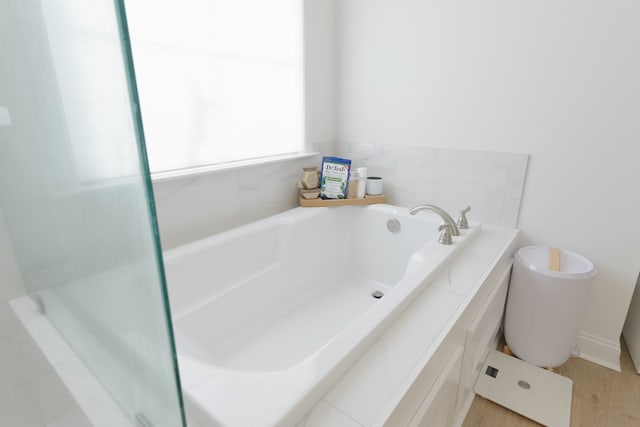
[545, 308]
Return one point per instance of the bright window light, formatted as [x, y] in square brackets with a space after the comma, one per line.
[218, 80]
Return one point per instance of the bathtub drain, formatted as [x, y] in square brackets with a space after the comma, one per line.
[377, 294]
[393, 225]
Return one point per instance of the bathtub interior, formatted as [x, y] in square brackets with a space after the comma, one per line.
[265, 296]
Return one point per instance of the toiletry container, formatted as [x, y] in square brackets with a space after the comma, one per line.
[545, 308]
[354, 185]
[362, 182]
[310, 178]
[374, 185]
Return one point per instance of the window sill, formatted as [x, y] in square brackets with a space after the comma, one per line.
[225, 167]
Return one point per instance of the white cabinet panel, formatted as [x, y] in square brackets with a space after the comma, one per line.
[480, 334]
[438, 408]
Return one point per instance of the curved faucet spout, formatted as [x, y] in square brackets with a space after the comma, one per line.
[443, 214]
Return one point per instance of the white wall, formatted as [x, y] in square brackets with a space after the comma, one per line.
[555, 79]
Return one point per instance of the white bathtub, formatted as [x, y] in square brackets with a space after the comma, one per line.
[267, 316]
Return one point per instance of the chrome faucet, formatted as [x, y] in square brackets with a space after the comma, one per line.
[445, 216]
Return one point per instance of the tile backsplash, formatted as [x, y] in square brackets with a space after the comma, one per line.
[491, 183]
[192, 208]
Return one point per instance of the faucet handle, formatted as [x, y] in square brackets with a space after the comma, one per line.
[462, 219]
[445, 236]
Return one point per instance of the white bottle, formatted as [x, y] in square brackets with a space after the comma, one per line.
[362, 181]
[354, 182]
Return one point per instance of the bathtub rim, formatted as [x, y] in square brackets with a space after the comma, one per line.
[282, 219]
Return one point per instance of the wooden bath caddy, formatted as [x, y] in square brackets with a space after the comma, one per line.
[314, 203]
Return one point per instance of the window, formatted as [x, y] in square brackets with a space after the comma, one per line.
[218, 80]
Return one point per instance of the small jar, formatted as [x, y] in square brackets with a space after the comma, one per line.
[374, 186]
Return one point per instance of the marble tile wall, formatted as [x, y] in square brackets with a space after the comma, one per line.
[192, 208]
[491, 183]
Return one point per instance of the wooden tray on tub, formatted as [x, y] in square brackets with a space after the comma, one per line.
[314, 203]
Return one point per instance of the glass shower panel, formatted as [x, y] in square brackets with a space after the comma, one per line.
[76, 195]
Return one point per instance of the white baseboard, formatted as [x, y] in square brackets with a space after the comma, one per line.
[597, 350]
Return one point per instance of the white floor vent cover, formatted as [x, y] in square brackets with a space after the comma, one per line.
[533, 392]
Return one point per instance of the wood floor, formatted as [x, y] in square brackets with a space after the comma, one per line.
[601, 397]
